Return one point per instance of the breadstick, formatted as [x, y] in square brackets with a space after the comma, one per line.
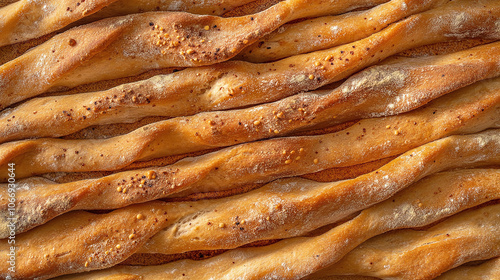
[181, 93]
[488, 270]
[24, 20]
[404, 79]
[94, 251]
[51, 15]
[473, 109]
[325, 204]
[409, 254]
[424, 203]
[263, 161]
[452, 152]
[327, 32]
[130, 45]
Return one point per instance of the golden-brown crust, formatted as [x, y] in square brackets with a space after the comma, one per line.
[475, 109]
[474, 150]
[393, 39]
[101, 132]
[408, 254]
[24, 20]
[118, 242]
[362, 95]
[147, 41]
[327, 32]
[296, 257]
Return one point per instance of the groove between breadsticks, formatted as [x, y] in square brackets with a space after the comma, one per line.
[467, 110]
[409, 254]
[24, 20]
[133, 44]
[453, 152]
[488, 270]
[402, 85]
[327, 32]
[422, 204]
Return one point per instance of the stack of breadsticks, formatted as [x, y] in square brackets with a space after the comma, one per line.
[294, 139]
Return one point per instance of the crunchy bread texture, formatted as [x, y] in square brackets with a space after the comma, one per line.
[104, 131]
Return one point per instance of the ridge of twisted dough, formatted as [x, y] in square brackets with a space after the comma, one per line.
[410, 254]
[130, 45]
[35, 195]
[424, 203]
[366, 94]
[487, 270]
[472, 109]
[330, 31]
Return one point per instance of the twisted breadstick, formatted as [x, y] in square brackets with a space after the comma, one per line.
[283, 206]
[362, 95]
[130, 45]
[409, 254]
[261, 161]
[457, 151]
[223, 86]
[424, 203]
[473, 109]
[25, 19]
[328, 32]
[488, 270]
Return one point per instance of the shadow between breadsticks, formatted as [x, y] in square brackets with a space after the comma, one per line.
[424, 203]
[129, 45]
[410, 254]
[377, 91]
[231, 84]
[487, 270]
[25, 19]
[470, 109]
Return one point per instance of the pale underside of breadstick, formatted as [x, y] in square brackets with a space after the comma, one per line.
[488, 270]
[261, 161]
[471, 109]
[424, 203]
[327, 32]
[130, 45]
[409, 254]
[25, 19]
[367, 94]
